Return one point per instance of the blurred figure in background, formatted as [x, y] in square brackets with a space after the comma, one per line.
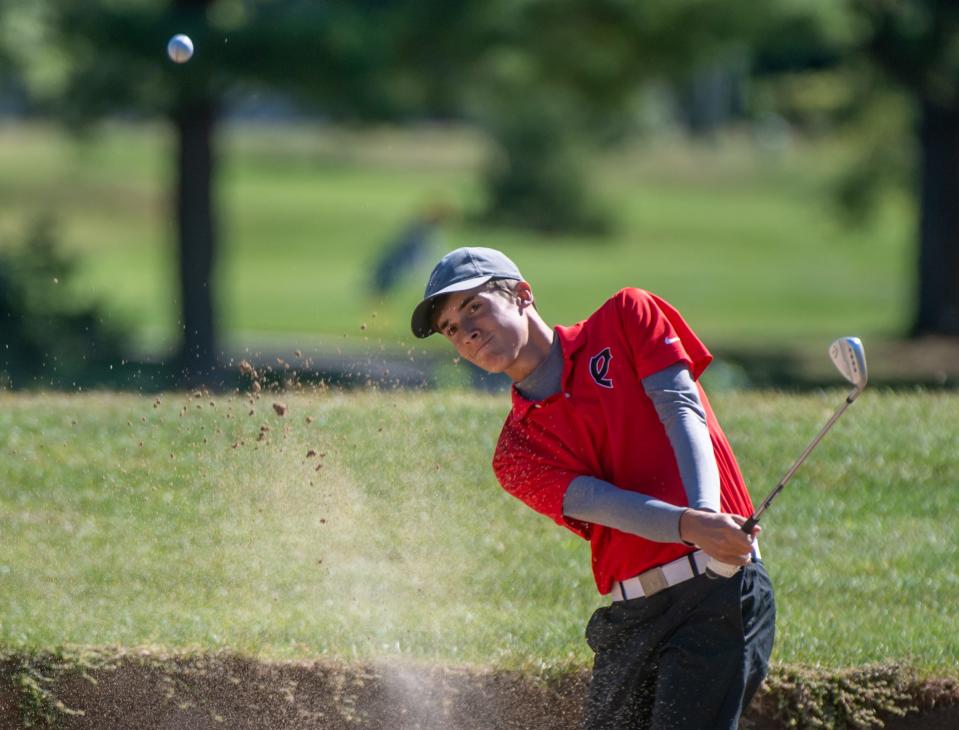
[411, 246]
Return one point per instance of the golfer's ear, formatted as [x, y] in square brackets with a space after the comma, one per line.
[524, 292]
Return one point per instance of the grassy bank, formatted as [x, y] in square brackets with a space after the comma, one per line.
[190, 524]
[746, 242]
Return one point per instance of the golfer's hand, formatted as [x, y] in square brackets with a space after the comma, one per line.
[718, 535]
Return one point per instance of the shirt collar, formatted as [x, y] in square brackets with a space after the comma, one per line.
[571, 339]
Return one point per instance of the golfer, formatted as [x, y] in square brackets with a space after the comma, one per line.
[611, 436]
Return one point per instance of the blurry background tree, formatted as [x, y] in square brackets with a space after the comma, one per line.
[888, 72]
[916, 45]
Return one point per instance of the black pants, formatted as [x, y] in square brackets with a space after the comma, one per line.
[690, 657]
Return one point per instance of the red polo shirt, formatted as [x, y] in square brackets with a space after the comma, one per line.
[602, 424]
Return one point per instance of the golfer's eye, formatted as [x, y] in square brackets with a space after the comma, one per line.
[474, 306]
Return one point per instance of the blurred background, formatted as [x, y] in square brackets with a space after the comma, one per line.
[784, 173]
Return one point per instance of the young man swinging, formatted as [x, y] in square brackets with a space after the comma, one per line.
[612, 436]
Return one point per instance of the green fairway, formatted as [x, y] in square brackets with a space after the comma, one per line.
[745, 243]
[176, 525]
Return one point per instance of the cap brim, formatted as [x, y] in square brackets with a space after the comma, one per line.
[421, 323]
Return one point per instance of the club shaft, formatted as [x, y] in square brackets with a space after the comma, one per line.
[751, 522]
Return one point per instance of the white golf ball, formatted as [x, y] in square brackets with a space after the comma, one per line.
[180, 48]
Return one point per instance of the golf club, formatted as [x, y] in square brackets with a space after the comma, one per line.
[848, 356]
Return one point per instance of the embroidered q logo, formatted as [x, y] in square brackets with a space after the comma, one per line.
[599, 368]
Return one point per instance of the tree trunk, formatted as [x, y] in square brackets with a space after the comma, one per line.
[195, 120]
[938, 283]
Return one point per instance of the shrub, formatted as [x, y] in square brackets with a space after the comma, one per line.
[48, 337]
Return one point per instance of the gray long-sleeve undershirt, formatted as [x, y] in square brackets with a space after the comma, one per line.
[676, 399]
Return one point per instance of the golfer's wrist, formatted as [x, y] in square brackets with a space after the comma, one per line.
[684, 520]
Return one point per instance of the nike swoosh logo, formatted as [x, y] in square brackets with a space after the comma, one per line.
[671, 340]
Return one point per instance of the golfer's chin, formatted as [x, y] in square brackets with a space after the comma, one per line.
[491, 361]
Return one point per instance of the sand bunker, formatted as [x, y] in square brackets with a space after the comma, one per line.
[224, 691]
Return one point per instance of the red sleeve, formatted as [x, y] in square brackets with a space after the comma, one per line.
[658, 335]
[527, 472]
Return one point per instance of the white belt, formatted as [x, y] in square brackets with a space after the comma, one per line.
[656, 579]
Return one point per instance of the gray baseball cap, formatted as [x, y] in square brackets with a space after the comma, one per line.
[459, 270]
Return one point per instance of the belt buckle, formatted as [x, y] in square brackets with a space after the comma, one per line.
[653, 581]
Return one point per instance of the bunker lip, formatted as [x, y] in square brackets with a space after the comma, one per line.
[150, 690]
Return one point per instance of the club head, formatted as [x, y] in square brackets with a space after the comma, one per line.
[848, 356]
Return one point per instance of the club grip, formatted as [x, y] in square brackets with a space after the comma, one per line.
[749, 524]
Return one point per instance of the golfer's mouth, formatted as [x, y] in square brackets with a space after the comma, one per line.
[479, 349]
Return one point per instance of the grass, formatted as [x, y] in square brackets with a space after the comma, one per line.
[746, 243]
[172, 524]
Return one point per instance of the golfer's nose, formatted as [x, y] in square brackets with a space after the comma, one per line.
[465, 341]
[468, 336]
